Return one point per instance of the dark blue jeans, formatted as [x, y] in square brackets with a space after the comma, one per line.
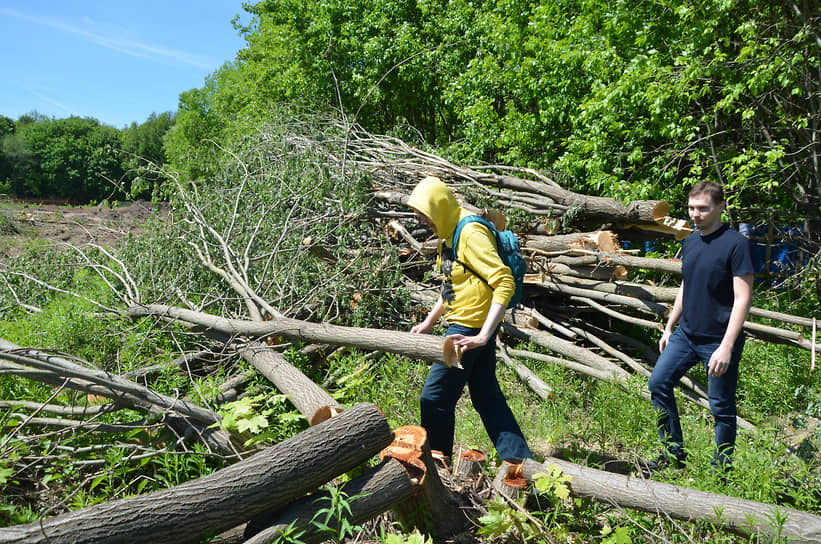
[679, 356]
[443, 388]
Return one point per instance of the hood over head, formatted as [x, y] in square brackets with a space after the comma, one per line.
[435, 199]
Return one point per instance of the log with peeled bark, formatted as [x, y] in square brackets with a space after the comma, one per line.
[191, 511]
[430, 348]
[600, 240]
[737, 515]
[310, 399]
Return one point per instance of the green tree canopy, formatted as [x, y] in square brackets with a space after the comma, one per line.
[73, 158]
[630, 99]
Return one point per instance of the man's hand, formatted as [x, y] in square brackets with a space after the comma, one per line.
[665, 337]
[719, 361]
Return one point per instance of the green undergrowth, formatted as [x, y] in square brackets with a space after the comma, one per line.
[47, 470]
[584, 420]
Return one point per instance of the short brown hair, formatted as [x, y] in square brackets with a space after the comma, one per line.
[713, 190]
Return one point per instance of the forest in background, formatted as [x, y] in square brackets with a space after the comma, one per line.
[628, 100]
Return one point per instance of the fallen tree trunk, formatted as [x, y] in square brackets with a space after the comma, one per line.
[185, 418]
[737, 515]
[68, 369]
[405, 160]
[193, 510]
[672, 266]
[642, 305]
[416, 346]
[592, 241]
[378, 490]
[624, 288]
[531, 380]
[310, 400]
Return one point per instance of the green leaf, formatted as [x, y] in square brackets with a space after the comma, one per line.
[5, 474]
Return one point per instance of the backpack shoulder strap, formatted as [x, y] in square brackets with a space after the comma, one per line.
[464, 221]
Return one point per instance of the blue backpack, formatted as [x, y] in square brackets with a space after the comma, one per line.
[507, 243]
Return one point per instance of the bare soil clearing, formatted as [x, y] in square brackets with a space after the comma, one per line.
[102, 225]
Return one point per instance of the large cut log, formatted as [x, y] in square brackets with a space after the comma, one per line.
[416, 346]
[737, 515]
[215, 503]
[378, 490]
[310, 400]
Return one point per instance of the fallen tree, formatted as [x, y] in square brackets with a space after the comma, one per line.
[736, 515]
[416, 346]
[211, 504]
[187, 419]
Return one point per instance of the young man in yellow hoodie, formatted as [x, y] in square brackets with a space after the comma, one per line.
[473, 300]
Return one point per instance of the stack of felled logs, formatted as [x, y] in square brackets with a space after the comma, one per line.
[574, 278]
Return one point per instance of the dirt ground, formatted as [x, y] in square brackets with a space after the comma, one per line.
[103, 225]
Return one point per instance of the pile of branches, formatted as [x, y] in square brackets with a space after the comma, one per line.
[581, 287]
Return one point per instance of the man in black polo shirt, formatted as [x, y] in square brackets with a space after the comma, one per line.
[710, 308]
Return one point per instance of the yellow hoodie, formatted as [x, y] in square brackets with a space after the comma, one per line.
[466, 297]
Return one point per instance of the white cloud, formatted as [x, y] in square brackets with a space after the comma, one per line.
[127, 47]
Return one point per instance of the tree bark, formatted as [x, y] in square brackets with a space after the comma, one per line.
[738, 515]
[435, 509]
[310, 400]
[193, 510]
[624, 288]
[642, 305]
[416, 346]
[591, 241]
[378, 490]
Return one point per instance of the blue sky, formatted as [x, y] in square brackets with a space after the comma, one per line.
[117, 61]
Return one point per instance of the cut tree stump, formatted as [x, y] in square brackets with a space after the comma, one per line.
[191, 511]
[737, 515]
[510, 481]
[435, 510]
[469, 464]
